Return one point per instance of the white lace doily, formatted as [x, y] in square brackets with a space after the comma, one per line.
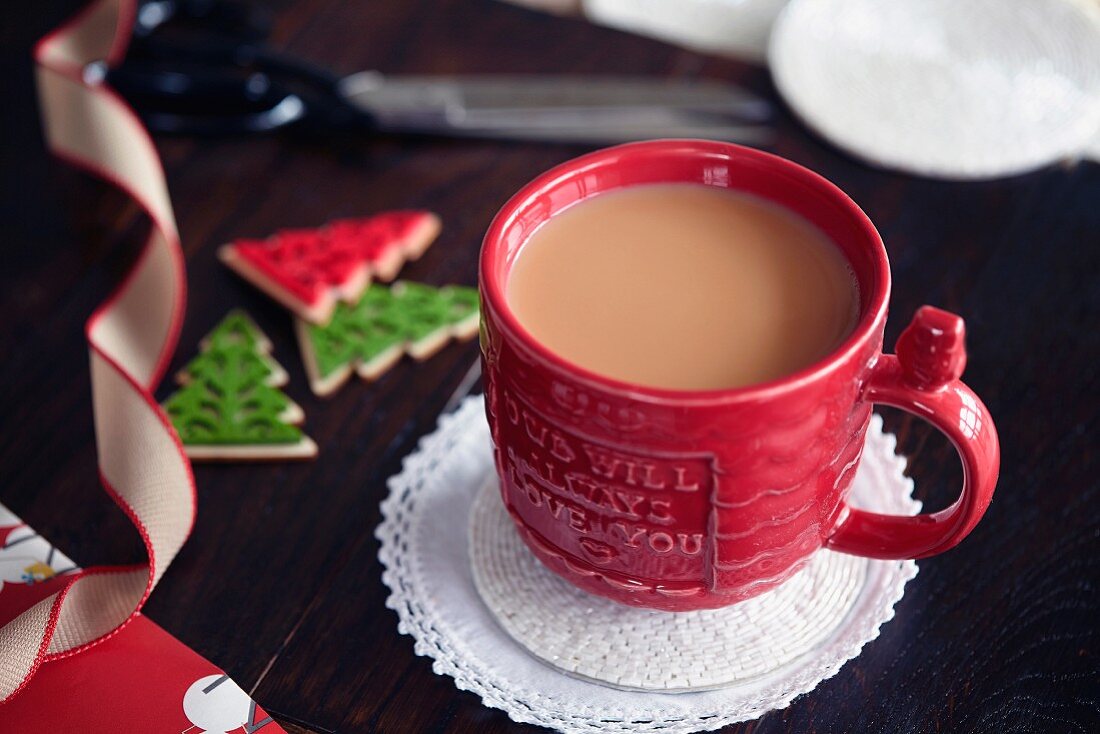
[426, 553]
[944, 88]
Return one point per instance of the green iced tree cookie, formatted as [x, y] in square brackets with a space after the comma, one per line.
[386, 323]
[229, 405]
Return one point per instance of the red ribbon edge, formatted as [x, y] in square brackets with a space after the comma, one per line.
[167, 229]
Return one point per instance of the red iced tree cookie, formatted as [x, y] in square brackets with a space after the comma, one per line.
[310, 270]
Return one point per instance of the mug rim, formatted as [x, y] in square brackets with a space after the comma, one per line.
[493, 287]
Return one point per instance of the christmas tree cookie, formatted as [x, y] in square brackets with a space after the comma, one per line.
[310, 270]
[370, 336]
[229, 405]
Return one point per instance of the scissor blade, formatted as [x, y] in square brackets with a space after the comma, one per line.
[465, 387]
[746, 134]
[536, 92]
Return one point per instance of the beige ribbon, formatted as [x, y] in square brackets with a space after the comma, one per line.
[131, 338]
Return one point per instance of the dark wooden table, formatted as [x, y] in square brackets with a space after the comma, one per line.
[280, 583]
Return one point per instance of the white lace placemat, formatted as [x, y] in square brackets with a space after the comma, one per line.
[958, 90]
[426, 551]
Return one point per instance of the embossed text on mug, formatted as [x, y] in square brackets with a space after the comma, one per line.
[606, 502]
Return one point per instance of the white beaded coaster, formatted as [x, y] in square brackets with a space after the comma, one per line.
[947, 88]
[640, 649]
[444, 527]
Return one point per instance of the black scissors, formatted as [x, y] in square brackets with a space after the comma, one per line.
[204, 67]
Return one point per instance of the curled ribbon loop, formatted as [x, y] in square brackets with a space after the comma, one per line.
[131, 338]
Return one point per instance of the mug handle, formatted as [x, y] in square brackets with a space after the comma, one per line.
[923, 379]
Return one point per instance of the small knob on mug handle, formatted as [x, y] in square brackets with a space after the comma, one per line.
[932, 349]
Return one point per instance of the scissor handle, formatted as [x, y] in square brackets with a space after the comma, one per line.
[239, 19]
[222, 96]
[195, 102]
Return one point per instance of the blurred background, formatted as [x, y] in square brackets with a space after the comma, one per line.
[964, 129]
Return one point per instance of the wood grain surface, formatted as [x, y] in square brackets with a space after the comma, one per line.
[280, 583]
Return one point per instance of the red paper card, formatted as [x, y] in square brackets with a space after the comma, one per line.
[140, 680]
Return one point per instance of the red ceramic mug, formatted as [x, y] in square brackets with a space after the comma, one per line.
[681, 500]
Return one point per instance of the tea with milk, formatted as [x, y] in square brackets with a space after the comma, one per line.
[683, 286]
